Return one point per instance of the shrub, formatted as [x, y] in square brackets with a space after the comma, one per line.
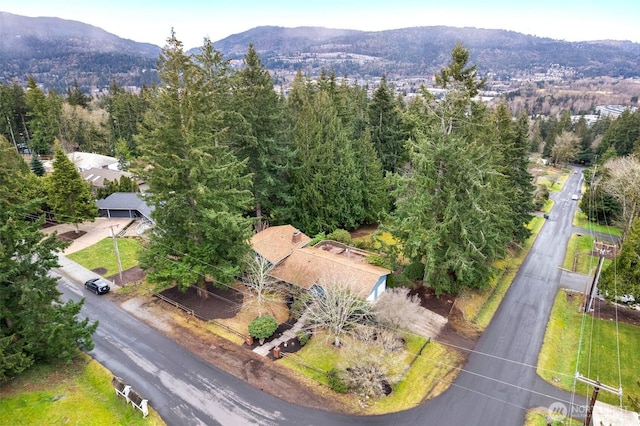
[336, 383]
[377, 260]
[341, 236]
[414, 271]
[303, 337]
[540, 196]
[299, 305]
[319, 237]
[263, 327]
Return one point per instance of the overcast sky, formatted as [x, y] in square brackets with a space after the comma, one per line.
[151, 20]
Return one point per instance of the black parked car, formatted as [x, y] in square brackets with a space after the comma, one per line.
[97, 285]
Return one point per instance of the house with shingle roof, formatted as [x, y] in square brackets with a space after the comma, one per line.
[295, 262]
[124, 204]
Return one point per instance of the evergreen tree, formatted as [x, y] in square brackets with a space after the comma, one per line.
[265, 146]
[327, 189]
[44, 117]
[623, 134]
[450, 214]
[386, 128]
[34, 324]
[69, 196]
[125, 115]
[622, 276]
[13, 112]
[36, 165]
[510, 144]
[75, 97]
[123, 154]
[198, 187]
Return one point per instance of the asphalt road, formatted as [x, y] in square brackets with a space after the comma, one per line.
[496, 387]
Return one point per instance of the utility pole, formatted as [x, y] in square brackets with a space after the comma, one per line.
[596, 277]
[596, 388]
[13, 138]
[115, 246]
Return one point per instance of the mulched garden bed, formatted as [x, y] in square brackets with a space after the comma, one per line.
[221, 302]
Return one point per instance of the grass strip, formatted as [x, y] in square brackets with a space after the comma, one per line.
[78, 393]
[597, 349]
[103, 255]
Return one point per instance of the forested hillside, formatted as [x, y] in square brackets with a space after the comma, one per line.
[58, 52]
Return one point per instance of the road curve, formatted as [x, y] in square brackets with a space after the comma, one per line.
[496, 387]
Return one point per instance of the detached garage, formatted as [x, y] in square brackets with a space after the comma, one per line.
[124, 205]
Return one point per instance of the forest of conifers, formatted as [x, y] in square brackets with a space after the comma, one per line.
[221, 151]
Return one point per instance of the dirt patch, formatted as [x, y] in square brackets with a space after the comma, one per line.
[609, 311]
[71, 235]
[129, 276]
[603, 309]
[218, 303]
[363, 231]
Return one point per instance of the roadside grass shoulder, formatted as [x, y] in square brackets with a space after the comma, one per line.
[542, 417]
[577, 257]
[572, 337]
[581, 221]
[75, 393]
[103, 255]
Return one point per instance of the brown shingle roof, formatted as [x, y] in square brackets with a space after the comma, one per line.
[308, 266]
[276, 242]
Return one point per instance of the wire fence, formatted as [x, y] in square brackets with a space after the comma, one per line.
[200, 317]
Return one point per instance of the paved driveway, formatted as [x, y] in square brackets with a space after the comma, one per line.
[94, 232]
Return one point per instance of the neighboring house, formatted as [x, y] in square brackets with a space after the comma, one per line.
[96, 177]
[304, 266]
[123, 205]
[87, 160]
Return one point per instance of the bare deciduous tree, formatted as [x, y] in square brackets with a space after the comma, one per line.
[262, 286]
[337, 307]
[395, 308]
[565, 148]
[622, 182]
[369, 368]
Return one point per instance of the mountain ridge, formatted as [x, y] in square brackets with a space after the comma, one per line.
[58, 52]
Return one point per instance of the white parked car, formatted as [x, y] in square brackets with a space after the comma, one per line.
[575, 197]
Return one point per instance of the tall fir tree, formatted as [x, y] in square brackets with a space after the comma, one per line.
[265, 147]
[68, 195]
[449, 215]
[43, 113]
[385, 124]
[35, 326]
[199, 189]
[509, 140]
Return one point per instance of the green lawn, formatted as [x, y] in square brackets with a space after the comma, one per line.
[103, 255]
[580, 220]
[548, 205]
[76, 394]
[598, 351]
[578, 258]
[542, 417]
